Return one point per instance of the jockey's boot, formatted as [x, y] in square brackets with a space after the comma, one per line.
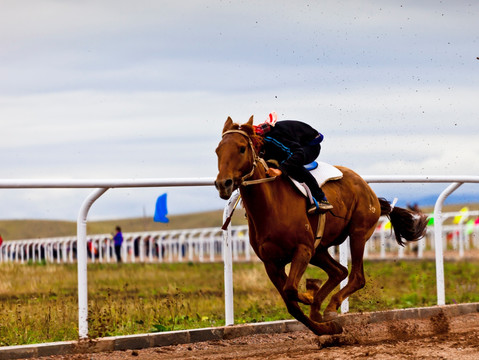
[320, 206]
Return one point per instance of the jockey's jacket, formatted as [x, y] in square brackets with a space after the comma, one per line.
[285, 142]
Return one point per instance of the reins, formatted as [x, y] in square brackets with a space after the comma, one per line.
[256, 160]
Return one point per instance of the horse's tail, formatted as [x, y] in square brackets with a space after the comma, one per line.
[407, 224]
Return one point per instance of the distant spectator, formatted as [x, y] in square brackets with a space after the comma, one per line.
[414, 207]
[118, 238]
[91, 250]
[1, 240]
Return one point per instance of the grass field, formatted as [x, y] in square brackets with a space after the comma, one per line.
[39, 302]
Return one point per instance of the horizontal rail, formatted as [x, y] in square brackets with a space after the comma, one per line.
[386, 179]
[102, 183]
[201, 181]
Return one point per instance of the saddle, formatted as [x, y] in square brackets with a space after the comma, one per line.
[322, 172]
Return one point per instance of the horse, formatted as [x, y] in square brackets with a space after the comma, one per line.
[281, 232]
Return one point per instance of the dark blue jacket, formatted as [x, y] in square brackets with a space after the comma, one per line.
[285, 142]
[118, 239]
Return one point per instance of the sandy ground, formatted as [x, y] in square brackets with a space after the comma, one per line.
[435, 338]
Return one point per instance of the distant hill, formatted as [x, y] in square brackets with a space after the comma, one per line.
[31, 229]
[454, 202]
[453, 199]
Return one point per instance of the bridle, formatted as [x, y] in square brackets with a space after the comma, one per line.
[256, 159]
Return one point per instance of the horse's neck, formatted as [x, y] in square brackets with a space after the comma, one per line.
[258, 199]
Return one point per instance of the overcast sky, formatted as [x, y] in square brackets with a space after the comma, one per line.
[141, 89]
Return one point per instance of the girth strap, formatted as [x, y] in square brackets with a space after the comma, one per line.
[320, 229]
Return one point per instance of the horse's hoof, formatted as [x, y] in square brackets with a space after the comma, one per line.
[330, 315]
[336, 328]
[327, 328]
[313, 284]
[305, 298]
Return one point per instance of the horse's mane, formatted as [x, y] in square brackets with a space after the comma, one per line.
[255, 138]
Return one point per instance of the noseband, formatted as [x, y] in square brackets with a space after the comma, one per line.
[256, 160]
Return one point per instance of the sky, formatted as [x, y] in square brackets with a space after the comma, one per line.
[141, 89]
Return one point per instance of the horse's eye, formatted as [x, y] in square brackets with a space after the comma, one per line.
[242, 149]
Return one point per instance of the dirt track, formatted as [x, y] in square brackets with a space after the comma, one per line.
[434, 338]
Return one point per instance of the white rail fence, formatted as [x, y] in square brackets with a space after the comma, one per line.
[170, 246]
[101, 186]
[206, 245]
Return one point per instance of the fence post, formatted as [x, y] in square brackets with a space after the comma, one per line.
[228, 261]
[343, 260]
[82, 262]
[441, 291]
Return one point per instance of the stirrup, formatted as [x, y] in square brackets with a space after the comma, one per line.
[317, 207]
[313, 209]
[325, 205]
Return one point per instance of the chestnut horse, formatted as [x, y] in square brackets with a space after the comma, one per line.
[281, 231]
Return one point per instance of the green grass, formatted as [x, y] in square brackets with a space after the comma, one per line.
[39, 302]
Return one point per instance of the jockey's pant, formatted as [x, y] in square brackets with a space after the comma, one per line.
[294, 167]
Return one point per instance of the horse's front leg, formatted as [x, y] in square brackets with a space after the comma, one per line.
[278, 277]
[299, 263]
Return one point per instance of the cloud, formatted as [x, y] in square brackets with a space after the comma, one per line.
[120, 90]
[228, 46]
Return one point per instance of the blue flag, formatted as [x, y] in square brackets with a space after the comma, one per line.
[160, 210]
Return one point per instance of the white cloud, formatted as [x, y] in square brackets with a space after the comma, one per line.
[120, 89]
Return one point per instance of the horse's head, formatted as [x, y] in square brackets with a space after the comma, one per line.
[236, 156]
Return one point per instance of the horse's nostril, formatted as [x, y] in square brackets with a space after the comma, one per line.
[228, 182]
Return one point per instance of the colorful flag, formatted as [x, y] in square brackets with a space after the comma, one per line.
[470, 227]
[160, 210]
[463, 215]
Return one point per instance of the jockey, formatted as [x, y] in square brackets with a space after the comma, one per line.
[293, 144]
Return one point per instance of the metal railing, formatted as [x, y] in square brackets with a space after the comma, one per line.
[101, 186]
[206, 245]
[171, 246]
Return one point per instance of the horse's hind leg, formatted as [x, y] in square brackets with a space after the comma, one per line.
[356, 279]
[336, 273]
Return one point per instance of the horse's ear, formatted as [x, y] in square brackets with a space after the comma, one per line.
[228, 124]
[250, 121]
